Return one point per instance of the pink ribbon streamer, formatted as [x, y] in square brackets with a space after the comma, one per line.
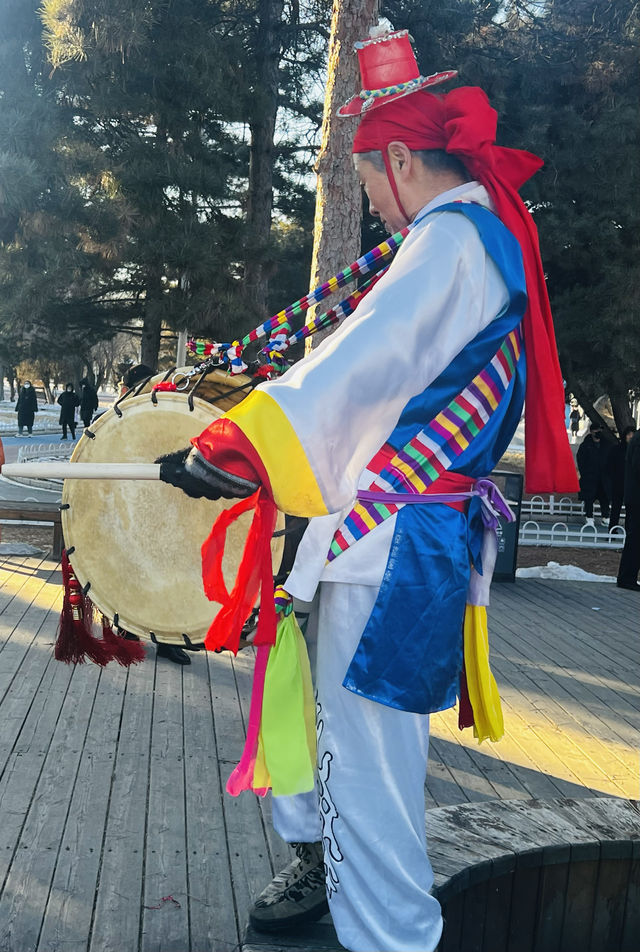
[242, 776]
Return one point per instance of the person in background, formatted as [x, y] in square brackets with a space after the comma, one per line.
[68, 401]
[88, 402]
[26, 407]
[614, 469]
[591, 457]
[575, 416]
[630, 559]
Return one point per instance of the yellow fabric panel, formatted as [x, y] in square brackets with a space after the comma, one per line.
[293, 484]
[483, 690]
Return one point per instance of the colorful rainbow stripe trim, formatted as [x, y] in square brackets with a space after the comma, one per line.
[435, 448]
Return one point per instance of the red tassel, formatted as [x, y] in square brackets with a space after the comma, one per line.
[75, 642]
[165, 386]
[123, 651]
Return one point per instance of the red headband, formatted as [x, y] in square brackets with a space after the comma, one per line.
[463, 123]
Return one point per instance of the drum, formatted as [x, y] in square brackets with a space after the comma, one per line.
[135, 545]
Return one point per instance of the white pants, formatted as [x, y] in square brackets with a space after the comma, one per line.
[369, 807]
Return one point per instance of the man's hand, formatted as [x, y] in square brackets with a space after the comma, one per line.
[193, 474]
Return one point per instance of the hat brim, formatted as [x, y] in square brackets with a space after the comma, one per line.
[357, 105]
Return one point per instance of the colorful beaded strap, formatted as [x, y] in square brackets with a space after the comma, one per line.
[232, 353]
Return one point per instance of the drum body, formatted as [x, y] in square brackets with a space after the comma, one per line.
[136, 544]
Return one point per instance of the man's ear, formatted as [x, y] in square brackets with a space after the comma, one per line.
[400, 157]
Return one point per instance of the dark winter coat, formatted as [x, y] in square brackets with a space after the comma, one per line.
[26, 406]
[632, 475]
[88, 403]
[615, 466]
[591, 458]
[68, 401]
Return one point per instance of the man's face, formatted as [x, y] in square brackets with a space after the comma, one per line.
[596, 434]
[382, 203]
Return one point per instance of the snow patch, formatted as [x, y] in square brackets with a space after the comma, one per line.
[566, 572]
[19, 548]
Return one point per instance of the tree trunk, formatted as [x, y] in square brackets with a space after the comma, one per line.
[262, 154]
[336, 229]
[621, 407]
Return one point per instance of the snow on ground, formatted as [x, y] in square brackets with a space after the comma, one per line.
[18, 548]
[569, 573]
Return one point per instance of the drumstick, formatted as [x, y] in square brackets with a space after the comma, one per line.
[83, 470]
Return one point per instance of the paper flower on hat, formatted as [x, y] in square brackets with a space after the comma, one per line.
[388, 70]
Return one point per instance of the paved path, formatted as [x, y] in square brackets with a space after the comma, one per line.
[116, 835]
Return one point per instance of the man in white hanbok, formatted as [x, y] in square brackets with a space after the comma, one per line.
[433, 356]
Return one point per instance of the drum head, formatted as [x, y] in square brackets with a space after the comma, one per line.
[138, 542]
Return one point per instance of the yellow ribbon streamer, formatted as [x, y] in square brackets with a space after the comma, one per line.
[483, 690]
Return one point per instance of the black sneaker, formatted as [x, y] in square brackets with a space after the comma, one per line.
[173, 653]
[295, 895]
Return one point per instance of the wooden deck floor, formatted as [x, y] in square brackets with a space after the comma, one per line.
[114, 833]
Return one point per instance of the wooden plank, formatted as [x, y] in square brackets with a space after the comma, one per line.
[442, 786]
[631, 921]
[544, 599]
[31, 740]
[24, 662]
[474, 917]
[545, 642]
[165, 922]
[461, 764]
[212, 916]
[453, 913]
[594, 760]
[69, 911]
[579, 900]
[610, 899]
[566, 700]
[28, 883]
[485, 758]
[588, 692]
[524, 896]
[116, 922]
[496, 929]
[251, 868]
[316, 937]
[550, 913]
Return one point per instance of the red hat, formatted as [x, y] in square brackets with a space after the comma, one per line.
[388, 70]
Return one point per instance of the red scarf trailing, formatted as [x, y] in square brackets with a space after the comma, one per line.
[463, 123]
[254, 578]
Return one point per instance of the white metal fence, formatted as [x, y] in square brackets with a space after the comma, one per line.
[47, 452]
[556, 506]
[562, 535]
